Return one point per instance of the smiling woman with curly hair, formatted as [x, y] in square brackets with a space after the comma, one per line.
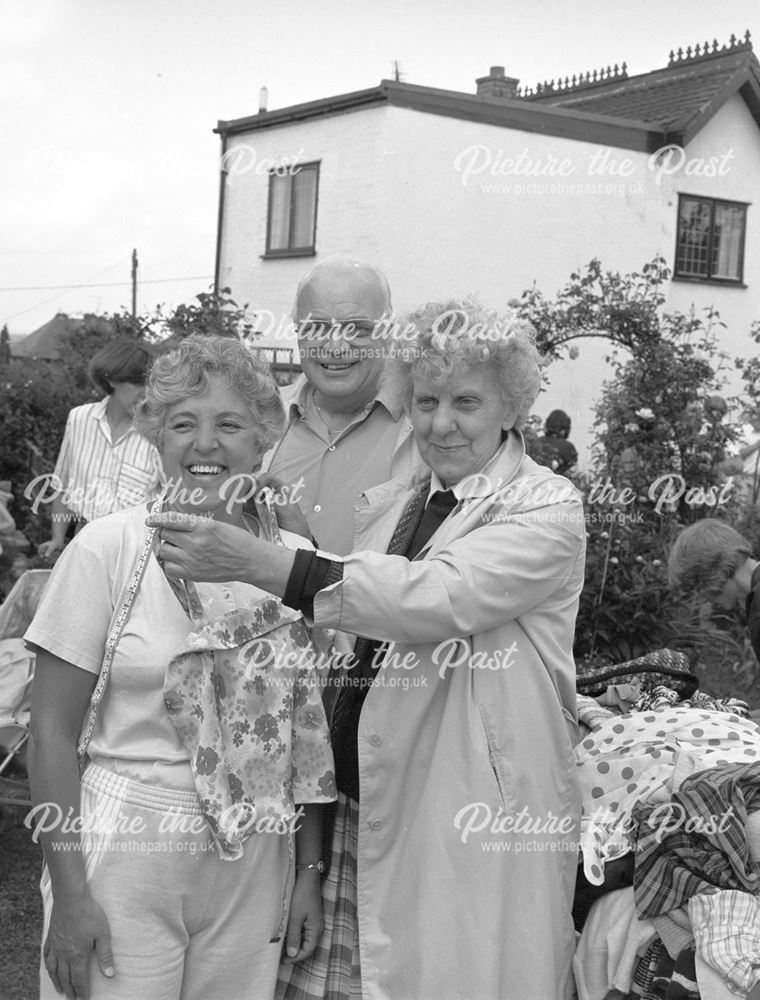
[177, 874]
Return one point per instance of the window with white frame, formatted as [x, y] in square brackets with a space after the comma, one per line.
[292, 214]
[710, 241]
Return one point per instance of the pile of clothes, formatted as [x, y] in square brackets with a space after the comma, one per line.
[670, 837]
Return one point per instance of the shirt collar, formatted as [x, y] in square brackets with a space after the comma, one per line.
[299, 401]
[437, 486]
[99, 409]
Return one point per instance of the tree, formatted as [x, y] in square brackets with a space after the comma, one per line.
[5, 346]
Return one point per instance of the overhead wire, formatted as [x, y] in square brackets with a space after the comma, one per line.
[88, 284]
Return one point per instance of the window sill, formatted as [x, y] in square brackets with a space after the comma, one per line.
[722, 282]
[278, 254]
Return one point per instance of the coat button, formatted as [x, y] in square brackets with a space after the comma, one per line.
[317, 508]
[376, 824]
[331, 448]
[356, 506]
[375, 741]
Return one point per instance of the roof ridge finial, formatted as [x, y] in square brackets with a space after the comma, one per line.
[590, 78]
[705, 51]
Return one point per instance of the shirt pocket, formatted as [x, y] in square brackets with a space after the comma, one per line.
[135, 485]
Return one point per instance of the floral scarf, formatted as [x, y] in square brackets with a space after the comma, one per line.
[243, 695]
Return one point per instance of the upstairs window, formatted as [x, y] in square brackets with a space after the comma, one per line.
[710, 242]
[292, 215]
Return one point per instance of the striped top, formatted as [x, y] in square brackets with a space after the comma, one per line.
[99, 476]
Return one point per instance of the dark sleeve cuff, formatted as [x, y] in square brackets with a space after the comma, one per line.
[310, 574]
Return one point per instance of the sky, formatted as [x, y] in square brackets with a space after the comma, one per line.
[107, 111]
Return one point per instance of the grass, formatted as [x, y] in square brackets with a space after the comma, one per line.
[20, 906]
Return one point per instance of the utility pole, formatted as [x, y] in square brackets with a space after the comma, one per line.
[134, 282]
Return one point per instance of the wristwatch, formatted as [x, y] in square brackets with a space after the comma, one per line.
[318, 866]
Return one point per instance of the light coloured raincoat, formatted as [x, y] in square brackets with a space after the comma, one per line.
[469, 804]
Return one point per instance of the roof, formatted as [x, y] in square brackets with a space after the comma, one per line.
[518, 114]
[43, 342]
[678, 99]
[641, 112]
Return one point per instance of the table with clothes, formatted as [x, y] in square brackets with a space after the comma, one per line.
[670, 838]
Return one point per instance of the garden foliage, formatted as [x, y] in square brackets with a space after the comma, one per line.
[659, 445]
[36, 395]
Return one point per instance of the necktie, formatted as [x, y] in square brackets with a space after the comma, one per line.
[438, 509]
[415, 528]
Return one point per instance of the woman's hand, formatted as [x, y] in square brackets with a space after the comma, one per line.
[77, 925]
[50, 549]
[305, 923]
[290, 517]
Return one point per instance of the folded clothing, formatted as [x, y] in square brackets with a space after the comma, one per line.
[726, 927]
[663, 666]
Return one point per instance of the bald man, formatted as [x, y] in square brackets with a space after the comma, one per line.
[344, 434]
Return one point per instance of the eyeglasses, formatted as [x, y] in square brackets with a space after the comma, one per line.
[325, 330]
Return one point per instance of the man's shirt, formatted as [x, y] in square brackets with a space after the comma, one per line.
[334, 470]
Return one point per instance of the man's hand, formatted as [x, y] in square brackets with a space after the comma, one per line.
[200, 548]
[305, 923]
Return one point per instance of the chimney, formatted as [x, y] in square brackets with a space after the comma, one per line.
[496, 84]
[263, 98]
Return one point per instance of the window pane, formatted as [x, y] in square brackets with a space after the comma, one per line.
[693, 238]
[279, 212]
[304, 207]
[727, 241]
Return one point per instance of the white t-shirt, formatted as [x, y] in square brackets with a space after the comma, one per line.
[133, 734]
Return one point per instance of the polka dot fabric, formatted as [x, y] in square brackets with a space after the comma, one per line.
[633, 757]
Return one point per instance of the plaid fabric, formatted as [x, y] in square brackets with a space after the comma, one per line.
[333, 972]
[663, 666]
[700, 842]
[727, 931]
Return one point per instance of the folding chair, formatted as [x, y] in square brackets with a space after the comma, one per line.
[16, 674]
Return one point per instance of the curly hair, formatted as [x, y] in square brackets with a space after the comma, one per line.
[185, 372]
[705, 556]
[440, 338]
